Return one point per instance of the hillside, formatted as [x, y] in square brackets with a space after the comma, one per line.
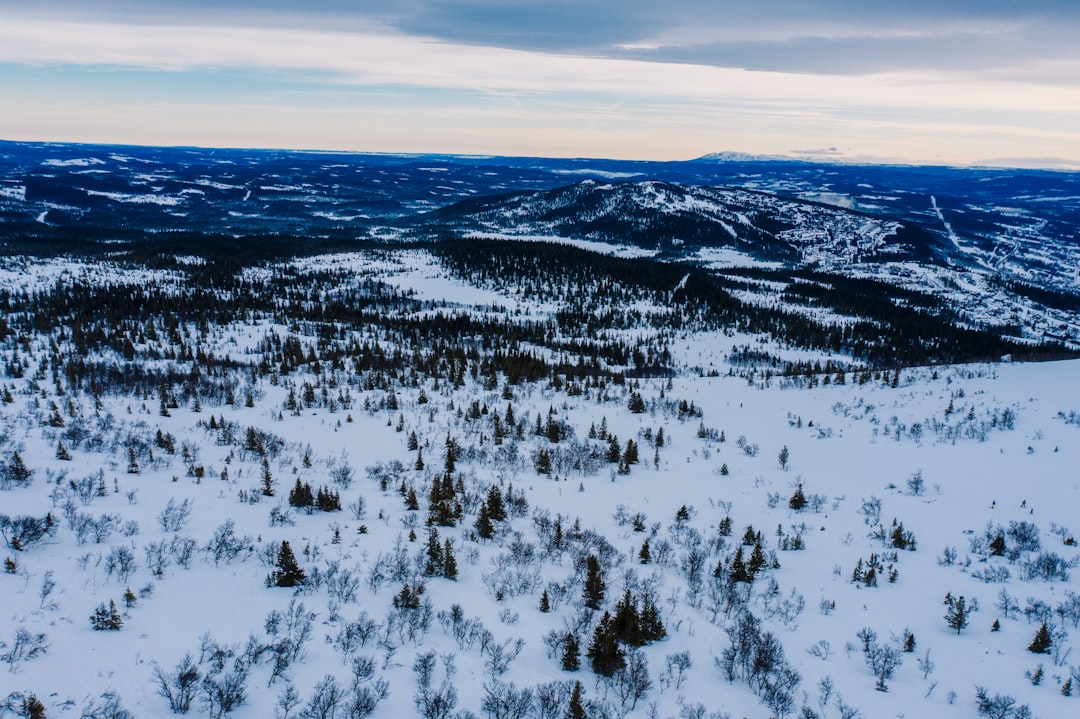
[476, 449]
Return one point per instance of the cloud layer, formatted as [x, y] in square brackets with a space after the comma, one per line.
[929, 81]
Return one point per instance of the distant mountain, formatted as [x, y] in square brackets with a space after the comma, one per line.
[672, 218]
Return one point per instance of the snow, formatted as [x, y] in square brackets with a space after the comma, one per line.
[144, 199]
[16, 192]
[73, 162]
[848, 442]
[603, 248]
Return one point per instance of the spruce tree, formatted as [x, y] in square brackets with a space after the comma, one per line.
[798, 499]
[571, 658]
[576, 709]
[287, 572]
[957, 613]
[267, 479]
[594, 589]
[738, 571]
[484, 528]
[106, 618]
[1042, 642]
[450, 568]
[32, 708]
[605, 654]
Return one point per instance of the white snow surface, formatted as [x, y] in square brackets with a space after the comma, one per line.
[848, 443]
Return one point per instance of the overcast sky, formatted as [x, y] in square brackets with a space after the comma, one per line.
[953, 81]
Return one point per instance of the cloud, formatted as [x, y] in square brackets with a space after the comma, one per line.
[804, 36]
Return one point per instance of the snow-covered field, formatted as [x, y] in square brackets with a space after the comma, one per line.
[169, 497]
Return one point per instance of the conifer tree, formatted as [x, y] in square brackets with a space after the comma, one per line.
[571, 658]
[287, 572]
[106, 618]
[798, 499]
[626, 622]
[757, 560]
[738, 571]
[496, 508]
[604, 653]
[1042, 642]
[267, 479]
[645, 555]
[576, 709]
[484, 527]
[32, 708]
[593, 592]
[957, 614]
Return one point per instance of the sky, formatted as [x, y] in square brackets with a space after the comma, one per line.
[923, 81]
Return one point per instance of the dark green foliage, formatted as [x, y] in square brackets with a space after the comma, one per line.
[268, 480]
[571, 656]
[410, 596]
[106, 618]
[32, 708]
[605, 654]
[738, 572]
[595, 588]
[997, 545]
[496, 508]
[576, 709]
[444, 509]
[798, 499]
[485, 529]
[1042, 641]
[958, 613]
[287, 572]
[301, 495]
[440, 561]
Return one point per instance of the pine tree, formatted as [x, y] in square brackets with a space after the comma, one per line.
[757, 560]
[545, 602]
[1042, 642]
[267, 479]
[495, 506]
[484, 527]
[106, 618]
[724, 528]
[782, 458]
[957, 614]
[571, 658]
[287, 572]
[626, 622]
[605, 654]
[450, 568]
[576, 710]
[32, 708]
[798, 500]
[434, 565]
[738, 571]
[997, 546]
[645, 555]
[594, 589]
